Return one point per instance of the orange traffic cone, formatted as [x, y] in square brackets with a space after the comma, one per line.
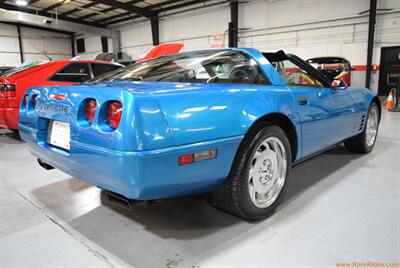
[389, 101]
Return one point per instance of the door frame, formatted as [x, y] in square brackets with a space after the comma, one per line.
[381, 80]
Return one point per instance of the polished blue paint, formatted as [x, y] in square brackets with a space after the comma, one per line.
[162, 121]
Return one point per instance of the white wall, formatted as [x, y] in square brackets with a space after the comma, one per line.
[136, 40]
[9, 49]
[93, 46]
[194, 29]
[306, 31]
[308, 28]
[35, 44]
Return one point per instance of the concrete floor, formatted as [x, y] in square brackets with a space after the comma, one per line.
[340, 207]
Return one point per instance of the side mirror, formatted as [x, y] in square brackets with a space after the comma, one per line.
[338, 83]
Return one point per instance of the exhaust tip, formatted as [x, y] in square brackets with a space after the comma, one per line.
[44, 165]
[122, 201]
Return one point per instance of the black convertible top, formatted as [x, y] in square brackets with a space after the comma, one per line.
[280, 55]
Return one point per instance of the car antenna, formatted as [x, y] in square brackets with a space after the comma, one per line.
[44, 53]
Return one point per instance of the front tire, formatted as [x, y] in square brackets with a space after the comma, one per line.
[259, 176]
[364, 142]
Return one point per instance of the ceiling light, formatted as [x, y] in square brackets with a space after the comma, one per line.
[21, 3]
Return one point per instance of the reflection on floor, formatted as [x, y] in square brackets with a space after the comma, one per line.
[339, 207]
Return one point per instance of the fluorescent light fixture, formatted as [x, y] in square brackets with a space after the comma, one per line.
[21, 2]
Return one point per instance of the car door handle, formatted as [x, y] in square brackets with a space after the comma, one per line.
[302, 100]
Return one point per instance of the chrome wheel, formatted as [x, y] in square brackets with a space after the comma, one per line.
[371, 127]
[267, 172]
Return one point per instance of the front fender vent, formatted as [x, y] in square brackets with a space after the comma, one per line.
[362, 121]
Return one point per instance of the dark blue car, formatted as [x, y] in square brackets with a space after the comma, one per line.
[230, 122]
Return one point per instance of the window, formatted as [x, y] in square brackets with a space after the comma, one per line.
[21, 69]
[99, 69]
[221, 66]
[4, 69]
[80, 45]
[73, 72]
[295, 75]
[104, 43]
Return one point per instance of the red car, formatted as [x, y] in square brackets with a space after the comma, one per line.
[15, 82]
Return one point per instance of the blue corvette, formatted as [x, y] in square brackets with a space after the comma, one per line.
[231, 122]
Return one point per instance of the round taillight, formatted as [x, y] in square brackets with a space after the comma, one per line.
[90, 110]
[114, 112]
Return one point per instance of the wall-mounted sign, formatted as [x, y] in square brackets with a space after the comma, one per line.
[217, 41]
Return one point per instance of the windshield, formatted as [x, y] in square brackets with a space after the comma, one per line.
[215, 66]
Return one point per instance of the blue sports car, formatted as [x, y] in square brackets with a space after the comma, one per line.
[230, 122]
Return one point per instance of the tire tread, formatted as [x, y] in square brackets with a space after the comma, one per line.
[229, 196]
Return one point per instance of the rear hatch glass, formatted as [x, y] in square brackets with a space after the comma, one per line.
[20, 69]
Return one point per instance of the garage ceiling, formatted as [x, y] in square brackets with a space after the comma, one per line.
[100, 13]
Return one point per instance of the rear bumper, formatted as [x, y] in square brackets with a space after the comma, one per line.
[141, 175]
[9, 118]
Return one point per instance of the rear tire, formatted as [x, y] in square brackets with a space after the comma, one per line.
[364, 142]
[16, 133]
[259, 176]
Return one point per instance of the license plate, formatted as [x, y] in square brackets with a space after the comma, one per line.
[58, 134]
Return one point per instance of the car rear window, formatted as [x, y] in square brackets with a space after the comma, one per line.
[75, 72]
[20, 69]
[99, 69]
